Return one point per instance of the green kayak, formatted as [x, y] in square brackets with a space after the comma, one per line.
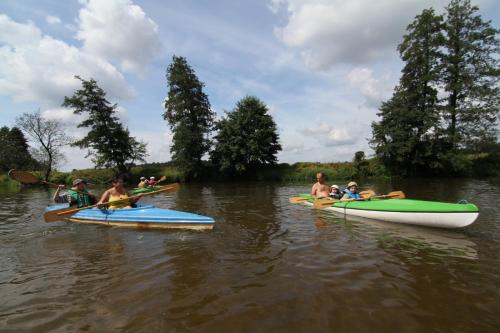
[409, 211]
[138, 190]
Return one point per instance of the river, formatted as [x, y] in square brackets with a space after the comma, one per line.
[267, 266]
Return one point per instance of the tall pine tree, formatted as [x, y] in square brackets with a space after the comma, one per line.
[410, 119]
[109, 144]
[470, 76]
[189, 115]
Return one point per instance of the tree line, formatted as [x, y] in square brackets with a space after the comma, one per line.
[443, 115]
[238, 143]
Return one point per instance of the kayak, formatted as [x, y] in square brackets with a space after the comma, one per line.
[408, 211]
[143, 216]
[138, 190]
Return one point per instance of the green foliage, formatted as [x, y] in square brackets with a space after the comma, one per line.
[189, 115]
[361, 165]
[14, 152]
[107, 141]
[470, 76]
[418, 133]
[410, 118]
[247, 138]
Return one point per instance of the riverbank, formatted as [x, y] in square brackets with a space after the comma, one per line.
[297, 172]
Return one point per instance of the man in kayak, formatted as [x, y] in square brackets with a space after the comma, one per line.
[351, 192]
[143, 183]
[320, 189]
[76, 196]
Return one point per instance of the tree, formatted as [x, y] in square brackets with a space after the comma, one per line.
[49, 138]
[247, 138]
[189, 115]
[361, 165]
[107, 141]
[410, 119]
[14, 153]
[470, 76]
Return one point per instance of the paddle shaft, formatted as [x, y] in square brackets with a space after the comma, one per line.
[325, 204]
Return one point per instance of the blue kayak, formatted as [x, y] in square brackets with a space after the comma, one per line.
[143, 216]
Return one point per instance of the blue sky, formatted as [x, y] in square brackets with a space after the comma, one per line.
[322, 66]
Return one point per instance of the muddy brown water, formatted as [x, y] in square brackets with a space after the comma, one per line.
[267, 266]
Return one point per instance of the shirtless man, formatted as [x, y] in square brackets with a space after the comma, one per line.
[320, 189]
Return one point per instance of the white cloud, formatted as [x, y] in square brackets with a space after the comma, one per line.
[37, 67]
[52, 19]
[330, 32]
[330, 136]
[372, 89]
[120, 31]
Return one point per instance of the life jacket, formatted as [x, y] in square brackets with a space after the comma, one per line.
[352, 195]
[81, 198]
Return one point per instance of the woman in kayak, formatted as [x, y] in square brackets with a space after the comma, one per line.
[351, 192]
[117, 192]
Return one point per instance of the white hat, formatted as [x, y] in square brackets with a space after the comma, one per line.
[151, 177]
[142, 178]
[352, 184]
[335, 186]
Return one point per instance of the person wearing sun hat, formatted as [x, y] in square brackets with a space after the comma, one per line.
[335, 192]
[351, 191]
[76, 196]
[143, 183]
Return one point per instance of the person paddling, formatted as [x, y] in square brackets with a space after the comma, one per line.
[143, 183]
[320, 188]
[351, 192]
[152, 181]
[117, 192]
[76, 196]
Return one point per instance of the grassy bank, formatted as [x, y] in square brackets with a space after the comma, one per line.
[298, 172]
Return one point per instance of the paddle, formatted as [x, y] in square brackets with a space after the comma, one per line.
[61, 214]
[322, 203]
[297, 200]
[25, 177]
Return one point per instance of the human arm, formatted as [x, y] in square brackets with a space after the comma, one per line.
[56, 197]
[104, 198]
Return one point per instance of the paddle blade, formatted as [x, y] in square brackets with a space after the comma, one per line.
[324, 203]
[23, 177]
[396, 195]
[367, 194]
[297, 200]
[59, 214]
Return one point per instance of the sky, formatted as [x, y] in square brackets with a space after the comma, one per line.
[322, 66]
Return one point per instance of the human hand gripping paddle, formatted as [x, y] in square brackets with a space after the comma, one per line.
[325, 203]
[61, 214]
[298, 200]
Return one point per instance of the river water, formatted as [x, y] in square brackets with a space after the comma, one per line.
[267, 266]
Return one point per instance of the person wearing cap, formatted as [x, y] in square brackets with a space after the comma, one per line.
[351, 192]
[76, 196]
[143, 182]
[335, 192]
[320, 189]
[152, 181]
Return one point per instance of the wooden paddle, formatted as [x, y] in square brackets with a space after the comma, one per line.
[324, 203]
[61, 214]
[25, 177]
